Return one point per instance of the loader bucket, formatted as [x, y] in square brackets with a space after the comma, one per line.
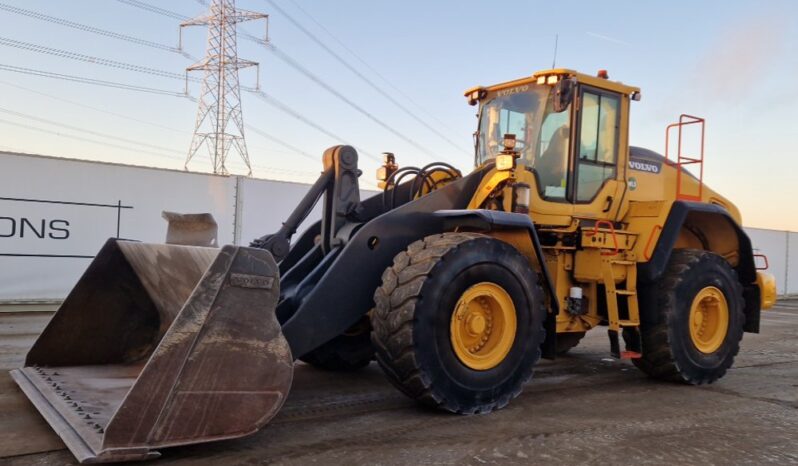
[161, 345]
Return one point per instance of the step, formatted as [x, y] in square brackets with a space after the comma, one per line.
[628, 323]
[623, 262]
[626, 292]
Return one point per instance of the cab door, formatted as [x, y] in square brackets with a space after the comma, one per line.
[551, 205]
[599, 154]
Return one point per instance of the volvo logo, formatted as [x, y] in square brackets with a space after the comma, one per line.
[645, 166]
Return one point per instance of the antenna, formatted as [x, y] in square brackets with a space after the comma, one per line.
[220, 123]
[554, 62]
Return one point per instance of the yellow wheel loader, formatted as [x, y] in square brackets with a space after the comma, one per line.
[456, 284]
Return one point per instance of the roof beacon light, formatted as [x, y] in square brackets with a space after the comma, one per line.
[603, 74]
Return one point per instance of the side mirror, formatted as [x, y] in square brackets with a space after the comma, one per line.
[563, 94]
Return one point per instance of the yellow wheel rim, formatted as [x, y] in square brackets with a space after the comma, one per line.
[709, 320]
[483, 326]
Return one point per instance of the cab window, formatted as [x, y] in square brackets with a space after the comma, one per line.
[598, 143]
[551, 163]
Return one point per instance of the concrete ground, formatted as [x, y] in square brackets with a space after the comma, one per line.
[581, 409]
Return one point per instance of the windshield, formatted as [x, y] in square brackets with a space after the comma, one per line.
[517, 111]
[541, 134]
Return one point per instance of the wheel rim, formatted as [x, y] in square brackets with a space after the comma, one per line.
[709, 320]
[483, 326]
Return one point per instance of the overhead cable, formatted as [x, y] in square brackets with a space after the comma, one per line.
[87, 131]
[271, 100]
[154, 9]
[298, 67]
[367, 65]
[363, 77]
[91, 29]
[83, 105]
[92, 59]
[97, 82]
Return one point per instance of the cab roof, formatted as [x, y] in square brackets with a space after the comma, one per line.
[590, 80]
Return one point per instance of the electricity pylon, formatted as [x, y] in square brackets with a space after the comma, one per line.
[220, 123]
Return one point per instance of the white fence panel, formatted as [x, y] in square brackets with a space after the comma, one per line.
[792, 264]
[55, 214]
[266, 204]
[773, 244]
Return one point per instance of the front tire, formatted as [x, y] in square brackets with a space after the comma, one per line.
[695, 330]
[458, 322]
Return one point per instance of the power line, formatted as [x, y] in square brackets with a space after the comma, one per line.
[91, 59]
[91, 29]
[292, 149]
[220, 120]
[128, 66]
[367, 65]
[363, 77]
[80, 138]
[260, 94]
[154, 9]
[137, 150]
[80, 104]
[92, 81]
[294, 64]
[282, 143]
[87, 131]
[298, 150]
[298, 67]
[103, 61]
[103, 111]
[285, 108]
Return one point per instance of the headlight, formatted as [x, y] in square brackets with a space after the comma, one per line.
[505, 162]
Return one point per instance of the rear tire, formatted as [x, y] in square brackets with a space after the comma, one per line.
[348, 352]
[697, 349]
[567, 341]
[420, 306]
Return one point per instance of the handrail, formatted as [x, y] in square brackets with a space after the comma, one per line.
[767, 264]
[682, 160]
[612, 232]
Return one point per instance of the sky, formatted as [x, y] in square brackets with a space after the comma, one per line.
[398, 80]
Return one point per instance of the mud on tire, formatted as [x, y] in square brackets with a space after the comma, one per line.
[414, 306]
[668, 350]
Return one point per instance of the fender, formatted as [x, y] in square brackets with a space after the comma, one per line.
[488, 220]
[651, 271]
[492, 220]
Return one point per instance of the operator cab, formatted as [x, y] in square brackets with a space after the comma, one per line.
[568, 131]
